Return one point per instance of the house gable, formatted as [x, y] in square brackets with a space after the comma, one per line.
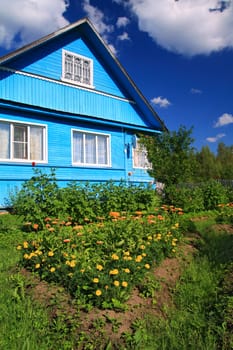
[113, 96]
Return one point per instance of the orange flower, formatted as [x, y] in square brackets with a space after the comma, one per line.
[67, 240]
[114, 214]
[35, 226]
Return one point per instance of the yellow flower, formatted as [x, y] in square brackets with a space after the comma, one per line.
[124, 284]
[143, 254]
[25, 245]
[50, 253]
[127, 253]
[138, 258]
[98, 292]
[99, 267]
[37, 266]
[142, 247]
[26, 256]
[149, 238]
[147, 266]
[19, 247]
[95, 280]
[127, 270]
[82, 270]
[52, 269]
[115, 257]
[72, 263]
[116, 283]
[113, 272]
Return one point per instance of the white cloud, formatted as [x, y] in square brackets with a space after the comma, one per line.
[225, 119]
[97, 18]
[216, 138]
[123, 36]
[195, 91]
[162, 102]
[187, 27]
[22, 21]
[122, 22]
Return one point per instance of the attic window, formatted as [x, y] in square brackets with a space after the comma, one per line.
[77, 69]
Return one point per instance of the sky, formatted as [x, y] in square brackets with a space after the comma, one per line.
[179, 53]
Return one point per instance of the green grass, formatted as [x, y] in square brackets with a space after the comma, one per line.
[23, 324]
[202, 316]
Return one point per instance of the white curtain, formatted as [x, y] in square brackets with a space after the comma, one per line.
[4, 140]
[90, 148]
[78, 147]
[102, 150]
[36, 143]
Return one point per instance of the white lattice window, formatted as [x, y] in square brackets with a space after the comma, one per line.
[140, 159]
[77, 69]
[22, 142]
[90, 148]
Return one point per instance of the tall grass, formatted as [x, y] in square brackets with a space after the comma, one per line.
[201, 303]
[24, 325]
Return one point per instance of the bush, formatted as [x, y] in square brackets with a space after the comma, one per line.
[189, 198]
[195, 198]
[40, 197]
[214, 193]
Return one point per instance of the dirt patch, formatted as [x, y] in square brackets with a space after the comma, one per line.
[224, 228]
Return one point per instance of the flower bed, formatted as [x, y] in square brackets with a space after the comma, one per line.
[100, 263]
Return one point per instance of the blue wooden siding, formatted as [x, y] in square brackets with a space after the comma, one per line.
[49, 64]
[62, 97]
[59, 139]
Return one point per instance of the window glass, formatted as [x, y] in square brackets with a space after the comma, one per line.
[140, 159]
[77, 69]
[90, 148]
[22, 142]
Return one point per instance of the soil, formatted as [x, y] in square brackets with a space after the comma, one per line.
[113, 324]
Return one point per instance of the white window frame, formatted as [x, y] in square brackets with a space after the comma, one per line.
[27, 159]
[140, 160]
[72, 69]
[84, 163]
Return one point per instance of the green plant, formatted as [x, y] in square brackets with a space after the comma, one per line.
[38, 198]
[213, 193]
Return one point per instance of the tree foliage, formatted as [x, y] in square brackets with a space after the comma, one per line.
[175, 161]
[172, 156]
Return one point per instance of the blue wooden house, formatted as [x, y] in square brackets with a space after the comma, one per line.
[67, 103]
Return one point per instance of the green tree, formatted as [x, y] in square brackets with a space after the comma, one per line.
[172, 156]
[225, 159]
[207, 165]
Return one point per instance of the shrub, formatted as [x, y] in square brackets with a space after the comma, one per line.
[38, 198]
[214, 193]
[190, 198]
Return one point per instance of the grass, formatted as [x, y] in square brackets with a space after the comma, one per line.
[24, 324]
[203, 302]
[201, 317]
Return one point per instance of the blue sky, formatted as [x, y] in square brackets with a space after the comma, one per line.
[178, 52]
